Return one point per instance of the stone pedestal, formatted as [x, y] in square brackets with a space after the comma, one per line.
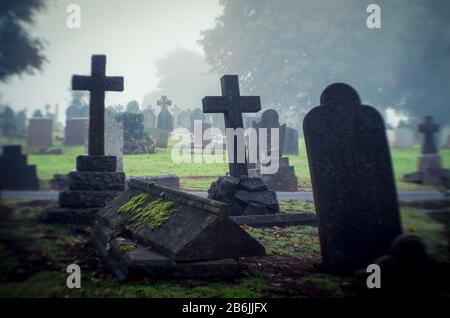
[283, 180]
[15, 173]
[91, 187]
[429, 172]
[244, 196]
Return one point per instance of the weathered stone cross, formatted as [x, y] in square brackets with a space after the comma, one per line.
[164, 102]
[97, 84]
[428, 128]
[232, 105]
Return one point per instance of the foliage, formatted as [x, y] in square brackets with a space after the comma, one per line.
[20, 51]
[135, 140]
[133, 107]
[77, 105]
[184, 76]
[38, 114]
[9, 127]
[288, 51]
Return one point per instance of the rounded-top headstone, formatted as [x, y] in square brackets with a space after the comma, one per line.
[340, 94]
[408, 248]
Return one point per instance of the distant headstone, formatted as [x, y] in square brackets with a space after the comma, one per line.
[160, 137]
[430, 170]
[404, 138]
[15, 174]
[353, 180]
[444, 140]
[390, 134]
[184, 119]
[40, 133]
[114, 138]
[290, 143]
[76, 131]
[165, 119]
[149, 118]
[284, 179]
[136, 140]
[196, 114]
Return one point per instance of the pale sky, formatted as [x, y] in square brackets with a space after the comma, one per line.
[133, 34]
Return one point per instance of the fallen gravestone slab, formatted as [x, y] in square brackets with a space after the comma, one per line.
[158, 231]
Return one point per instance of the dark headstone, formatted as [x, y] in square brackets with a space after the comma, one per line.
[135, 138]
[40, 133]
[290, 142]
[160, 137]
[196, 239]
[353, 180]
[232, 105]
[428, 128]
[76, 131]
[164, 119]
[15, 174]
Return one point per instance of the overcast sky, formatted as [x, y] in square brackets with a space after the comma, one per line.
[133, 34]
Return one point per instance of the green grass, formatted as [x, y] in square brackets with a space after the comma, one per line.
[198, 176]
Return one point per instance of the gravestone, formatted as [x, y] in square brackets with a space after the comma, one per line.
[160, 232]
[430, 171]
[96, 180]
[149, 118]
[114, 138]
[136, 139]
[290, 143]
[404, 138]
[196, 114]
[284, 179]
[184, 119]
[160, 137]
[352, 178]
[40, 133]
[76, 131]
[168, 180]
[15, 174]
[165, 119]
[245, 195]
[390, 134]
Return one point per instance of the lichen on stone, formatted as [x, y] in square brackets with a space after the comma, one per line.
[155, 214]
[127, 247]
[135, 203]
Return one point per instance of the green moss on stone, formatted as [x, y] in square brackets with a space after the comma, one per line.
[135, 203]
[155, 214]
[127, 247]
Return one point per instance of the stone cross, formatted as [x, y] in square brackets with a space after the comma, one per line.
[232, 105]
[428, 128]
[164, 102]
[97, 84]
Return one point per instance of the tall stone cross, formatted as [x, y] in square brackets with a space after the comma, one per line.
[232, 105]
[164, 102]
[97, 84]
[428, 128]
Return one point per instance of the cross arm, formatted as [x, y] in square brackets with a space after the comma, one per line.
[215, 104]
[250, 104]
[114, 83]
[82, 83]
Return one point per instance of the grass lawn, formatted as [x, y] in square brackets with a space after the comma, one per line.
[197, 176]
[34, 257]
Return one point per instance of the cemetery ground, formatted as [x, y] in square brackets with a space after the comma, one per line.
[198, 177]
[34, 257]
